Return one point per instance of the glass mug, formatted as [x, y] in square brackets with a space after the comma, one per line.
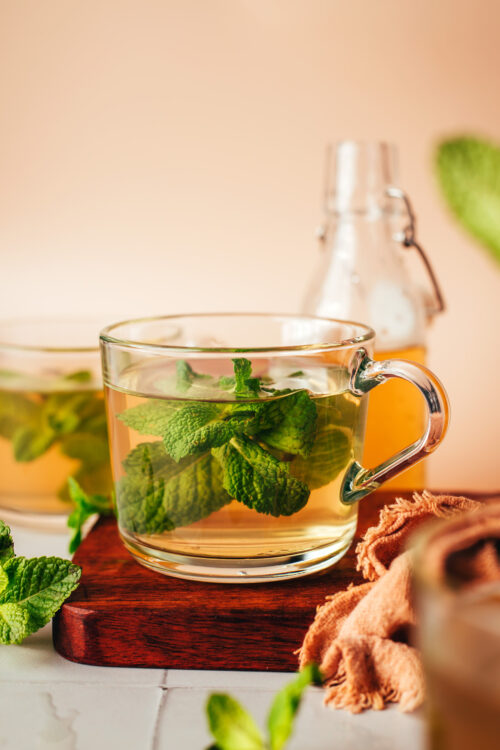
[52, 418]
[235, 440]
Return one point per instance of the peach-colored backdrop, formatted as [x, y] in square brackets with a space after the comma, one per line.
[166, 155]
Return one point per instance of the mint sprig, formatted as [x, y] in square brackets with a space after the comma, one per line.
[85, 507]
[31, 590]
[212, 452]
[69, 417]
[234, 728]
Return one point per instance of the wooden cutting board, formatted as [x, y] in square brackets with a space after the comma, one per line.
[123, 614]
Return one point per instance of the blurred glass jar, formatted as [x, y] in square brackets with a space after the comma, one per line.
[52, 418]
[460, 642]
[362, 276]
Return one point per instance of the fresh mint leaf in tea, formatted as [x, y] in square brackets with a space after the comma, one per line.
[49, 430]
[230, 456]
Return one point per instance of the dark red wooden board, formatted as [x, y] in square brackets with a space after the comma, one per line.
[123, 614]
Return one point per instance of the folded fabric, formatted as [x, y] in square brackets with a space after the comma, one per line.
[361, 637]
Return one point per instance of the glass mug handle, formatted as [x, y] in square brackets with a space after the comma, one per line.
[367, 374]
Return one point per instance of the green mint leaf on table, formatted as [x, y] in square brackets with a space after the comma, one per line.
[85, 507]
[157, 494]
[256, 478]
[31, 590]
[286, 704]
[469, 173]
[331, 449]
[231, 725]
[6, 543]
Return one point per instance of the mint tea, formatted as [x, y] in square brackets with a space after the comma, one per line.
[51, 428]
[216, 475]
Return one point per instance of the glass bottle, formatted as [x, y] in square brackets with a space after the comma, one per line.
[363, 276]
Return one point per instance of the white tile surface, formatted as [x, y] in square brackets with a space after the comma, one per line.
[201, 678]
[56, 717]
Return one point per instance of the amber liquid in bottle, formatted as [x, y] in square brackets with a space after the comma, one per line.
[396, 418]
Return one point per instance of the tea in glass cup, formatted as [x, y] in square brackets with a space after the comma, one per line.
[52, 418]
[236, 441]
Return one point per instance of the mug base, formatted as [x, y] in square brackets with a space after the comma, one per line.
[240, 570]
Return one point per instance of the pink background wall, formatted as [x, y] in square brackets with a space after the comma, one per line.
[165, 156]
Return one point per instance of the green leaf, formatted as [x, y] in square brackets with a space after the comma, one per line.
[30, 443]
[286, 704]
[159, 494]
[151, 417]
[80, 376]
[469, 173]
[85, 507]
[245, 385]
[6, 543]
[231, 725]
[64, 412]
[91, 449]
[186, 376]
[259, 480]
[33, 592]
[332, 448]
[295, 432]
[16, 411]
[202, 425]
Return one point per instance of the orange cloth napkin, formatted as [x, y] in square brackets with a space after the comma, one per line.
[360, 637]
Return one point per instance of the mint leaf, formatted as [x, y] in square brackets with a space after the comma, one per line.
[259, 480]
[6, 543]
[245, 385]
[231, 725]
[296, 431]
[469, 173]
[202, 425]
[63, 412]
[332, 448]
[85, 507]
[80, 376]
[159, 494]
[31, 442]
[151, 417]
[16, 411]
[31, 593]
[91, 449]
[186, 376]
[286, 704]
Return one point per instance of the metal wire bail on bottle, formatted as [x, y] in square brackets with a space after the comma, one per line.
[409, 240]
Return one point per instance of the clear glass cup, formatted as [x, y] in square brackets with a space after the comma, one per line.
[459, 634]
[236, 439]
[52, 418]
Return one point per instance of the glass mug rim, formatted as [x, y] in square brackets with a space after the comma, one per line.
[51, 321]
[364, 334]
